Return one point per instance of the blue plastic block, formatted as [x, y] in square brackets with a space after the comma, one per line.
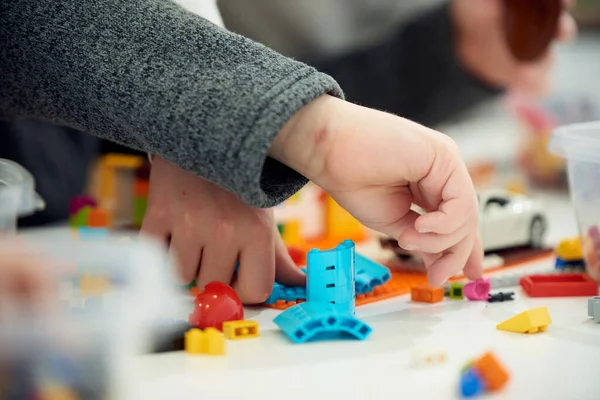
[92, 233]
[286, 293]
[369, 274]
[471, 384]
[312, 320]
[330, 276]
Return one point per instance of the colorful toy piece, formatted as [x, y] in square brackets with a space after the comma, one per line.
[500, 297]
[216, 304]
[311, 320]
[559, 285]
[329, 308]
[234, 330]
[569, 254]
[369, 274]
[211, 342]
[75, 206]
[471, 384]
[455, 290]
[426, 294]
[330, 277]
[483, 374]
[478, 290]
[530, 321]
[594, 308]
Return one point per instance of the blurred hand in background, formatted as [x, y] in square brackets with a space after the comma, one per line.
[483, 49]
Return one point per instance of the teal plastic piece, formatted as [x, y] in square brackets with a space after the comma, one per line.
[369, 274]
[314, 320]
[92, 233]
[330, 277]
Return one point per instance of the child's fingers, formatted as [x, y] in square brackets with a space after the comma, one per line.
[219, 258]
[256, 273]
[459, 205]
[286, 271]
[396, 228]
[474, 266]
[450, 263]
[187, 250]
[433, 242]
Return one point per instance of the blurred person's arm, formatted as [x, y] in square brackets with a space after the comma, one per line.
[414, 73]
[150, 75]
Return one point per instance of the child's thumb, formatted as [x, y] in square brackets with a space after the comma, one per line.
[286, 271]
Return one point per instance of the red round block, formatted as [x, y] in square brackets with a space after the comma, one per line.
[218, 303]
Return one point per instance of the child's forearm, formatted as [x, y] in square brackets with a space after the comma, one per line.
[154, 77]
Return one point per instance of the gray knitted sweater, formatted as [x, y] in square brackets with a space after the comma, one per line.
[152, 76]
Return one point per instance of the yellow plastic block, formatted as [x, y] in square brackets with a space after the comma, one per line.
[234, 330]
[194, 341]
[94, 285]
[214, 342]
[570, 249]
[530, 321]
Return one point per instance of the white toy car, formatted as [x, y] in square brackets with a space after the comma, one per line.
[510, 220]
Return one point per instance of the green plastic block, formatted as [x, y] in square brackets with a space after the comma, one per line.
[139, 210]
[80, 220]
[189, 286]
[456, 290]
[280, 228]
[466, 367]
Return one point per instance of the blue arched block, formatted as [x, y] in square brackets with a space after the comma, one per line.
[311, 320]
[471, 384]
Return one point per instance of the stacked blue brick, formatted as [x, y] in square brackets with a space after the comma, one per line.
[368, 275]
[330, 277]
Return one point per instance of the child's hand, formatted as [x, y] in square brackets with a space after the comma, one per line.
[376, 165]
[482, 47]
[210, 229]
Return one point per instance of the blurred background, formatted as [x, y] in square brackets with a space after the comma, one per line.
[369, 47]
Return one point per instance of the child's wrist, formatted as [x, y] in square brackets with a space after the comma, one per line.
[304, 141]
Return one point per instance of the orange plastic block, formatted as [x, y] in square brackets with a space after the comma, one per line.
[97, 218]
[494, 374]
[427, 294]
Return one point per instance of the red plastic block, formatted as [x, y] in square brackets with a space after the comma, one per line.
[559, 285]
[218, 303]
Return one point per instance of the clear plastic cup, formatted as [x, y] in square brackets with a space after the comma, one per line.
[579, 144]
[85, 347]
[18, 197]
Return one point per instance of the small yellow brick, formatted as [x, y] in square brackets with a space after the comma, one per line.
[194, 341]
[214, 342]
[234, 330]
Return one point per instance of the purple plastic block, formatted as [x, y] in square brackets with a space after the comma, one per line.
[78, 202]
[478, 290]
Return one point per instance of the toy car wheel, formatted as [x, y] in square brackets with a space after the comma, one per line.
[537, 232]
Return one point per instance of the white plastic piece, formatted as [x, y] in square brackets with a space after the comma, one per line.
[580, 145]
[427, 356]
[15, 176]
[97, 336]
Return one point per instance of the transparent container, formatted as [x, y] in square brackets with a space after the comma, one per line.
[579, 144]
[18, 197]
[110, 291]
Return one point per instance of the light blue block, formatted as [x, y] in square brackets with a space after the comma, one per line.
[330, 275]
[369, 274]
[311, 320]
[92, 233]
